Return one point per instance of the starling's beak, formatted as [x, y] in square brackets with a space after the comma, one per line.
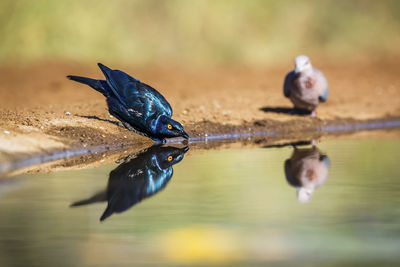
[185, 135]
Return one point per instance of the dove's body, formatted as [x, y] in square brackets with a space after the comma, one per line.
[137, 105]
[307, 169]
[306, 87]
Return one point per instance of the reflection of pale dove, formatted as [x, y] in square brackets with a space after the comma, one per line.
[305, 86]
[306, 170]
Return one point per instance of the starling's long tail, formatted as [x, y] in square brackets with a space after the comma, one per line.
[99, 197]
[97, 85]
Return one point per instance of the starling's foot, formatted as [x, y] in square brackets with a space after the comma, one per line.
[313, 114]
[185, 142]
[159, 141]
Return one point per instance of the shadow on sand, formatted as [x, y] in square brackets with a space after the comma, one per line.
[99, 119]
[285, 110]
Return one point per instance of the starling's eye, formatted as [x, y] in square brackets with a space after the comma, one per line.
[169, 126]
[169, 158]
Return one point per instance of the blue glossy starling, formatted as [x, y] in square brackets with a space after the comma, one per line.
[137, 105]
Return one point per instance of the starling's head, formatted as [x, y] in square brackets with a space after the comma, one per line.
[302, 64]
[167, 127]
[168, 156]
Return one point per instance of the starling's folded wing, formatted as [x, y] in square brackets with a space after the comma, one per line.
[138, 98]
[133, 181]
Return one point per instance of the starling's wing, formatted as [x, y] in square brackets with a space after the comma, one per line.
[288, 84]
[138, 98]
[124, 193]
[133, 181]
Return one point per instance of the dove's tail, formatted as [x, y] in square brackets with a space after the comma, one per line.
[97, 85]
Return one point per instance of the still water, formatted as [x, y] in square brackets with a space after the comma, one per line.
[335, 204]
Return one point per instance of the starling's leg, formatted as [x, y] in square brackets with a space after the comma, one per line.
[159, 141]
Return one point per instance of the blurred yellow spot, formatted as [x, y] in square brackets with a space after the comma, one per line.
[200, 244]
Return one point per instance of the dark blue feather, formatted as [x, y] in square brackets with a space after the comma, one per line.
[134, 94]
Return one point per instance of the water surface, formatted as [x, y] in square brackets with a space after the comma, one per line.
[337, 204]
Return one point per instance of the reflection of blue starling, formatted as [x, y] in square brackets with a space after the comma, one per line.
[137, 178]
[138, 106]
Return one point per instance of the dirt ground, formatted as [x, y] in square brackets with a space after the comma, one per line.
[41, 111]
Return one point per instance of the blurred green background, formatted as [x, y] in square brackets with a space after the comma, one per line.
[197, 32]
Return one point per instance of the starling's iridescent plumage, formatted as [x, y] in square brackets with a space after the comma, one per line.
[137, 105]
[305, 86]
[306, 170]
[137, 178]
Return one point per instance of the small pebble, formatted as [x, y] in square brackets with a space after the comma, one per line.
[67, 113]
[7, 132]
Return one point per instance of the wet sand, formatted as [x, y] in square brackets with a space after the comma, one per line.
[42, 112]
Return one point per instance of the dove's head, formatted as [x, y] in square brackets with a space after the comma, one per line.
[304, 194]
[302, 64]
